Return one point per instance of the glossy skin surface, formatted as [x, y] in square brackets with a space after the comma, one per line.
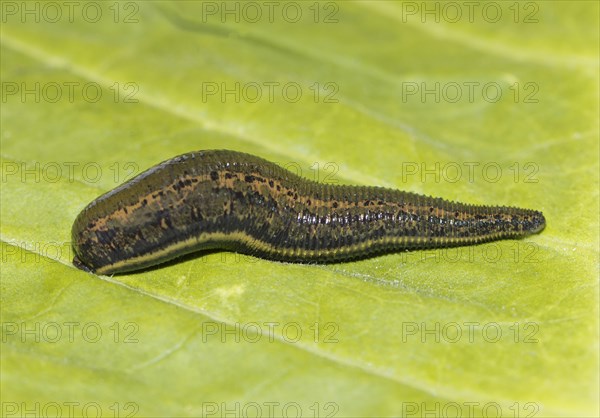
[234, 201]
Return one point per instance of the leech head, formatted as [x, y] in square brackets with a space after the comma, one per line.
[538, 222]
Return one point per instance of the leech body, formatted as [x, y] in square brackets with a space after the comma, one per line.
[238, 202]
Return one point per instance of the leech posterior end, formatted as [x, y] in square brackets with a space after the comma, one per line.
[81, 266]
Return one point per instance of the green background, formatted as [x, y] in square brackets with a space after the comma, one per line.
[510, 326]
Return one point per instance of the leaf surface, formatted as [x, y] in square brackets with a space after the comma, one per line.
[510, 325]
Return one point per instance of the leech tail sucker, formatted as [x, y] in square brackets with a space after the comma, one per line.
[238, 202]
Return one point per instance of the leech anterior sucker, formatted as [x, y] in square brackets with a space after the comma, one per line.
[238, 202]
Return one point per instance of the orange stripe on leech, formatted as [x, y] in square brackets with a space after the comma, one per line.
[124, 213]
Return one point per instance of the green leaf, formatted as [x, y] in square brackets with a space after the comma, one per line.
[387, 94]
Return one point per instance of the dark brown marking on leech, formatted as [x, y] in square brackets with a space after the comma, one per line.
[239, 202]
